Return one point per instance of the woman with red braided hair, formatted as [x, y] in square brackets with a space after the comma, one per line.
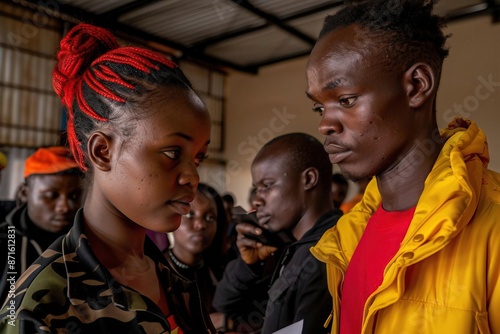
[138, 129]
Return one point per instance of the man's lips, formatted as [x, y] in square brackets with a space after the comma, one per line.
[263, 219]
[61, 221]
[336, 152]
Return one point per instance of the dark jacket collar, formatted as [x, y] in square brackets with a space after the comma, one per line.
[325, 222]
[311, 237]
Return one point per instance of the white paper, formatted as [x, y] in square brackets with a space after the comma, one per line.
[295, 328]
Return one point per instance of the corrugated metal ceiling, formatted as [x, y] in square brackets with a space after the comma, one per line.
[238, 34]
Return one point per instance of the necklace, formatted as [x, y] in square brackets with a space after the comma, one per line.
[176, 261]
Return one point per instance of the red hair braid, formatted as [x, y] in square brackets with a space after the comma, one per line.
[85, 58]
[77, 50]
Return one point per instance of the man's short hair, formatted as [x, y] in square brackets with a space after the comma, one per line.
[302, 151]
[409, 30]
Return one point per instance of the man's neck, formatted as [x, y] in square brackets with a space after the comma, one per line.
[402, 185]
[311, 217]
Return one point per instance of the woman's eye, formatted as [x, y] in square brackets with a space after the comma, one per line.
[210, 218]
[173, 154]
[190, 215]
[319, 109]
[347, 101]
[200, 158]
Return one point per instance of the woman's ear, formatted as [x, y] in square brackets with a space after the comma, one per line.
[420, 84]
[99, 148]
[310, 177]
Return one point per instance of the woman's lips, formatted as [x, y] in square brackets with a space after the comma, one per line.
[181, 208]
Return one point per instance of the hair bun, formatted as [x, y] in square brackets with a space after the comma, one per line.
[78, 49]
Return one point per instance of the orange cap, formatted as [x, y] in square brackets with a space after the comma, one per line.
[49, 160]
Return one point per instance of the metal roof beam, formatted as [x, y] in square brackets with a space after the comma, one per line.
[495, 13]
[314, 10]
[280, 59]
[115, 13]
[80, 15]
[236, 33]
[475, 10]
[275, 21]
[223, 37]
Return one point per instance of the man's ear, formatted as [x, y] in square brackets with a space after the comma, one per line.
[420, 84]
[22, 193]
[310, 177]
[99, 148]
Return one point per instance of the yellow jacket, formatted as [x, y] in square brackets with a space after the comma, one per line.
[445, 278]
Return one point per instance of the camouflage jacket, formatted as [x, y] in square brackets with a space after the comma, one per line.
[68, 291]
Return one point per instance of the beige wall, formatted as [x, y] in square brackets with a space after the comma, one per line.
[470, 84]
[258, 109]
[273, 102]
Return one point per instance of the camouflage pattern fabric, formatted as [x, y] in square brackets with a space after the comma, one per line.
[68, 291]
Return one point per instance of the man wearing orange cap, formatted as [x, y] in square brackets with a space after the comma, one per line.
[50, 196]
[5, 206]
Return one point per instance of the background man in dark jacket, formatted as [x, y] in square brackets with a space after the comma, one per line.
[292, 177]
[50, 196]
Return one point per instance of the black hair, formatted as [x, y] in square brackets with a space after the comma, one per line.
[301, 152]
[408, 28]
[214, 254]
[228, 198]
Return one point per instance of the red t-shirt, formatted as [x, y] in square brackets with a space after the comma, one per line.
[379, 243]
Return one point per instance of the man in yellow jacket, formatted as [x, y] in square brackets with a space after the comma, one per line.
[421, 252]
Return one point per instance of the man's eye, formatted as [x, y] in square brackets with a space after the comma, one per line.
[347, 101]
[50, 194]
[173, 154]
[190, 215]
[75, 196]
[264, 187]
[319, 110]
